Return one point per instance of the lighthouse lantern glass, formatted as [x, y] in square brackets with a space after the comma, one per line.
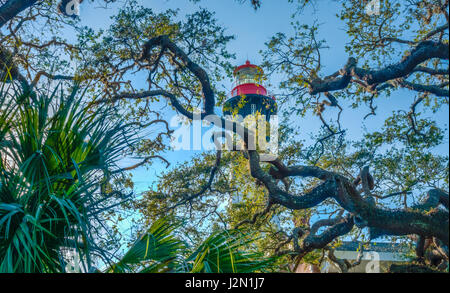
[248, 75]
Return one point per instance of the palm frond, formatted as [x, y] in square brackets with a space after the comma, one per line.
[228, 251]
[160, 250]
[154, 251]
[53, 149]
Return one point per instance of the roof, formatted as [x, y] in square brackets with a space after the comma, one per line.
[372, 246]
[247, 65]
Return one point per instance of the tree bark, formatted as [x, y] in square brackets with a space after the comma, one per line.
[13, 7]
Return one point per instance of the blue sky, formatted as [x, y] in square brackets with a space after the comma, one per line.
[252, 29]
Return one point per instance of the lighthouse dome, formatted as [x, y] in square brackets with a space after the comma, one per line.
[249, 95]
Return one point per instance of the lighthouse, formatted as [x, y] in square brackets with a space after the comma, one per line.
[250, 105]
[249, 96]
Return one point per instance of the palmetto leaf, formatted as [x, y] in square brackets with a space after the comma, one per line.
[51, 146]
[228, 252]
[157, 247]
[159, 250]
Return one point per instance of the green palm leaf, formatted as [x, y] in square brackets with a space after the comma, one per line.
[153, 251]
[51, 146]
[228, 252]
[160, 250]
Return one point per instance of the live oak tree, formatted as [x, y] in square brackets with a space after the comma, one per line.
[390, 182]
[400, 153]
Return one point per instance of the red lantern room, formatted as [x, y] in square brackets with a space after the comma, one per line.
[248, 80]
[248, 95]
